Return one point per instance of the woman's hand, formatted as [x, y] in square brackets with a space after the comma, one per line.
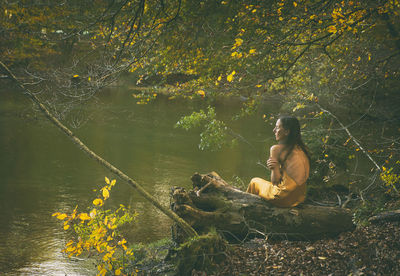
[272, 163]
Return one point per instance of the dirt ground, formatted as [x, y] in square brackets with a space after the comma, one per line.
[371, 250]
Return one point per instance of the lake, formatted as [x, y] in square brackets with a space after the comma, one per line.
[43, 172]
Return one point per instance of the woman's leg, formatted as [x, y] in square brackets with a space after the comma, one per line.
[263, 188]
[254, 185]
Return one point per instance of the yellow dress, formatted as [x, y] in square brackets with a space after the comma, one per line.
[291, 191]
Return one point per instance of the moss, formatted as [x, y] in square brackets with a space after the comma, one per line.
[201, 253]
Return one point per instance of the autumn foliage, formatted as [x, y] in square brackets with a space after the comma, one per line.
[96, 232]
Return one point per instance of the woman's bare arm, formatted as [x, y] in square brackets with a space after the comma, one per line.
[274, 164]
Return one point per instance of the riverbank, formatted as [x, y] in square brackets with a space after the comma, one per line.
[369, 250]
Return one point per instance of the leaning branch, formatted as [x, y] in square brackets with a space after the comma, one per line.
[351, 136]
[185, 226]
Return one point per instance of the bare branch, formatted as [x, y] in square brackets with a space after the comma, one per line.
[351, 136]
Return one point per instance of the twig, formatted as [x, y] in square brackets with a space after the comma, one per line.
[339, 200]
[347, 200]
[198, 193]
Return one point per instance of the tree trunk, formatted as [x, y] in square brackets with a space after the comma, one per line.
[239, 215]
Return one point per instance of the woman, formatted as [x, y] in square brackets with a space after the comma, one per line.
[289, 163]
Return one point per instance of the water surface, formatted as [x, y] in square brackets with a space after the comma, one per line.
[42, 171]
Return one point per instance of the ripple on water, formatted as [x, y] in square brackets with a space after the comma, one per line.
[30, 247]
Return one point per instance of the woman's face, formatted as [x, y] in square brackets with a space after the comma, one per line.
[280, 132]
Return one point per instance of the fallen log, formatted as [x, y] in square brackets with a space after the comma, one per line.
[238, 215]
[385, 217]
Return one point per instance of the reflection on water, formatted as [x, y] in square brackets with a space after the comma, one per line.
[43, 172]
[52, 262]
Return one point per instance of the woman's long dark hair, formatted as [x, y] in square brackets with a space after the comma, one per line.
[294, 138]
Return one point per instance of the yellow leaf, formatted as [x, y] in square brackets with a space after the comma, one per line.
[74, 212]
[75, 76]
[234, 54]
[295, 4]
[66, 227]
[112, 227]
[219, 78]
[89, 78]
[103, 272]
[106, 257]
[298, 106]
[201, 93]
[259, 85]
[114, 181]
[229, 78]
[98, 201]
[84, 216]
[69, 243]
[93, 213]
[252, 51]
[118, 271]
[347, 141]
[359, 58]
[123, 241]
[107, 180]
[61, 216]
[70, 249]
[332, 29]
[321, 258]
[238, 42]
[280, 18]
[106, 193]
